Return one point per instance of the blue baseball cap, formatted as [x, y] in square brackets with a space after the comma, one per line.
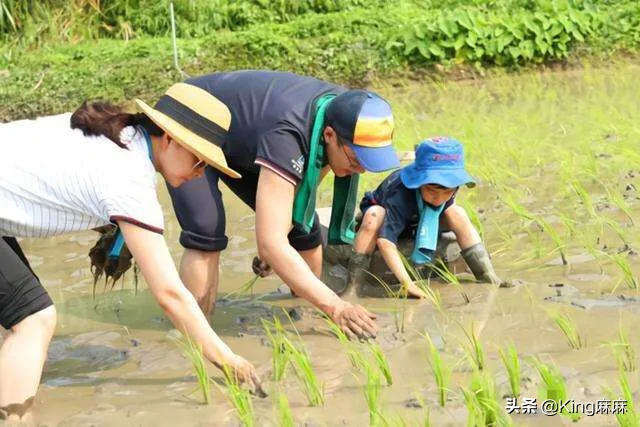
[364, 121]
[439, 160]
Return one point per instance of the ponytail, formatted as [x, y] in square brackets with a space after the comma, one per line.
[105, 119]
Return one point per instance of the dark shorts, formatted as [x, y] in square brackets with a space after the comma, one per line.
[200, 211]
[21, 293]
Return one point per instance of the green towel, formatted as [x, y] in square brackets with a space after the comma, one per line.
[345, 189]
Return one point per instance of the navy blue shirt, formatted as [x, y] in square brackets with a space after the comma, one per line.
[271, 118]
[400, 205]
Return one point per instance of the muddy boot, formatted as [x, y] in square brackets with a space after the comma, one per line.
[477, 258]
[357, 268]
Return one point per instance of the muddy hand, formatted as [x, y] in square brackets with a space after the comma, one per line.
[245, 373]
[260, 267]
[355, 320]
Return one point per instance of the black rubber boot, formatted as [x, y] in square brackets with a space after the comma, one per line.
[478, 260]
[357, 268]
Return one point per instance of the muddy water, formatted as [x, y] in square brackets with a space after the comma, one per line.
[112, 360]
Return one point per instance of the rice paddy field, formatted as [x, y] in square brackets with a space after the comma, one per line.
[557, 157]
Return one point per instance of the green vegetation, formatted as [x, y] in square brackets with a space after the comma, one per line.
[381, 362]
[569, 329]
[511, 362]
[240, 398]
[483, 405]
[193, 352]
[372, 393]
[624, 352]
[56, 54]
[474, 349]
[441, 371]
[553, 385]
[285, 418]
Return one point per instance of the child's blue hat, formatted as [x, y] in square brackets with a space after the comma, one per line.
[439, 160]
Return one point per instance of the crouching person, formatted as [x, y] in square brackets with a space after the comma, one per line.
[413, 205]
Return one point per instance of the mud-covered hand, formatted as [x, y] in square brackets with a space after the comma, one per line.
[245, 373]
[261, 268]
[355, 320]
[478, 260]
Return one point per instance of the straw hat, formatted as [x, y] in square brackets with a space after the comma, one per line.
[197, 120]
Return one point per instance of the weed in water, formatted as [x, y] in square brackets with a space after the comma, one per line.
[240, 398]
[193, 352]
[441, 372]
[569, 329]
[511, 363]
[483, 406]
[381, 362]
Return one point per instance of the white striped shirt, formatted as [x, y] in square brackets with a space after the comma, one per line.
[54, 180]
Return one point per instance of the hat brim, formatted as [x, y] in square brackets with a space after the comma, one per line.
[413, 177]
[376, 159]
[200, 147]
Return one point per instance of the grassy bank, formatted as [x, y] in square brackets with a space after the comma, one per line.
[52, 59]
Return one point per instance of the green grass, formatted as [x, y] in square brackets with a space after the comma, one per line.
[511, 362]
[193, 352]
[569, 329]
[441, 371]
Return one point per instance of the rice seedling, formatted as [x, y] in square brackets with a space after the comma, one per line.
[244, 289]
[355, 357]
[443, 271]
[585, 198]
[473, 348]
[285, 417]
[630, 417]
[522, 212]
[381, 362]
[400, 298]
[624, 352]
[193, 352]
[483, 405]
[511, 362]
[240, 398]
[372, 393]
[301, 362]
[554, 387]
[569, 329]
[627, 272]
[441, 372]
[279, 356]
[432, 294]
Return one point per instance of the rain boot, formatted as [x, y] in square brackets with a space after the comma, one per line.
[357, 268]
[478, 260]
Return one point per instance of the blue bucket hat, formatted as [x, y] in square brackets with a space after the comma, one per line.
[439, 160]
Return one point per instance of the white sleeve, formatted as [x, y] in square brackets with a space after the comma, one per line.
[131, 196]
